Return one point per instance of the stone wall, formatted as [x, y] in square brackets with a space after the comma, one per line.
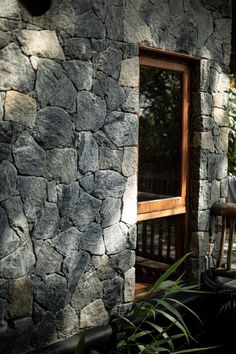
[68, 153]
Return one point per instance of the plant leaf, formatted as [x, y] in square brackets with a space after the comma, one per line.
[81, 343]
[167, 273]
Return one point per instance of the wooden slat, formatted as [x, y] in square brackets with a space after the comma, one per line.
[222, 242]
[230, 245]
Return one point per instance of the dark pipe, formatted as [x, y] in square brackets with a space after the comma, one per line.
[36, 7]
[97, 337]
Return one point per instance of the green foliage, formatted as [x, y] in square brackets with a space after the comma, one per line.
[162, 328]
[232, 126]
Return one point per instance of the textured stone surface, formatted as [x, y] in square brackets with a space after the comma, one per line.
[111, 211]
[115, 239]
[94, 314]
[129, 72]
[19, 263]
[44, 44]
[67, 241]
[47, 224]
[29, 156]
[110, 159]
[123, 261]
[89, 25]
[16, 216]
[91, 112]
[48, 258]
[88, 290]
[82, 216]
[88, 152]
[93, 240]
[53, 128]
[20, 306]
[130, 161]
[7, 180]
[129, 213]
[78, 48]
[109, 62]
[9, 239]
[122, 129]
[33, 194]
[80, 73]
[20, 108]
[10, 9]
[108, 184]
[52, 293]
[61, 164]
[67, 322]
[129, 285]
[16, 72]
[113, 291]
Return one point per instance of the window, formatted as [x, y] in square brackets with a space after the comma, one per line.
[163, 135]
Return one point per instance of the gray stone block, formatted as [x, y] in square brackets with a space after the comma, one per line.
[5, 132]
[16, 72]
[48, 74]
[74, 266]
[80, 73]
[113, 291]
[89, 25]
[104, 270]
[130, 161]
[5, 152]
[78, 48]
[87, 183]
[94, 314]
[9, 239]
[67, 241]
[16, 216]
[111, 211]
[33, 193]
[53, 128]
[93, 241]
[109, 62]
[68, 195]
[7, 180]
[64, 94]
[29, 157]
[88, 290]
[123, 261]
[88, 153]
[19, 263]
[20, 108]
[122, 128]
[43, 44]
[52, 293]
[108, 184]
[131, 103]
[115, 239]
[114, 21]
[67, 322]
[48, 260]
[91, 112]
[110, 159]
[61, 164]
[86, 210]
[129, 285]
[47, 223]
[21, 298]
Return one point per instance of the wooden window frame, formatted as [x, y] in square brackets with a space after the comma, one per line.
[173, 205]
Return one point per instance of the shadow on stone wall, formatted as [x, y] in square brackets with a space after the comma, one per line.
[36, 8]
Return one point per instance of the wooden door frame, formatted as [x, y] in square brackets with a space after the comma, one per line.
[173, 205]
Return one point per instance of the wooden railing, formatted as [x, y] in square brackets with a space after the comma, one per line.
[227, 211]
